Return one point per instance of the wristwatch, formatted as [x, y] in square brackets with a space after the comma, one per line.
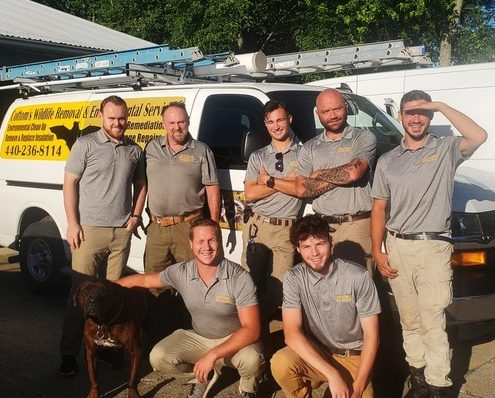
[270, 183]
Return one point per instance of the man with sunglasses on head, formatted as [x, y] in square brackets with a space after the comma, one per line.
[269, 184]
[334, 170]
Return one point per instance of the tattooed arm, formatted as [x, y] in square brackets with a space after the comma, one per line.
[307, 187]
[324, 180]
[344, 174]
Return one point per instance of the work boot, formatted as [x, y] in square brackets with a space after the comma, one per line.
[438, 392]
[418, 387]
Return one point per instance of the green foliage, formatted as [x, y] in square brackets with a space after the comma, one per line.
[289, 25]
[213, 25]
[475, 35]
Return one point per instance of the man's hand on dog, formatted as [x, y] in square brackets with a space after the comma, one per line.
[203, 367]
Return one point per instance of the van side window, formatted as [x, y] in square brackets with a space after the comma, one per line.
[362, 113]
[224, 121]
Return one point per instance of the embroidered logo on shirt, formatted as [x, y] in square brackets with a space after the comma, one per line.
[186, 158]
[293, 164]
[344, 149]
[128, 153]
[224, 299]
[343, 298]
[429, 159]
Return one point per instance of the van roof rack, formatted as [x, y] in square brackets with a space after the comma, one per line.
[371, 55]
[168, 65]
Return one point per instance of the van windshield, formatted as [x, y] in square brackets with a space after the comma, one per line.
[362, 113]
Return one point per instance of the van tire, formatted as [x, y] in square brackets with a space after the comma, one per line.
[42, 256]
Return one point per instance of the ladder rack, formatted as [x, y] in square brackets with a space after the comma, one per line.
[167, 65]
[99, 64]
[351, 57]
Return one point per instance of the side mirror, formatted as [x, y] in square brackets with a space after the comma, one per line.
[352, 107]
[253, 141]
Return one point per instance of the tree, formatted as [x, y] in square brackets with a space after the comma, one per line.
[445, 56]
[473, 38]
[465, 28]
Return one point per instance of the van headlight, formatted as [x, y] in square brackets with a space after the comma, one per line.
[465, 224]
[469, 258]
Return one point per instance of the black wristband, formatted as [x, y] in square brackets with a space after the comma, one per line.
[270, 183]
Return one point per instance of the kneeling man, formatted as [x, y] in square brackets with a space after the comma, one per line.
[221, 298]
[330, 315]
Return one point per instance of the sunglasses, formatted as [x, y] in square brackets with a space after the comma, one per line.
[279, 165]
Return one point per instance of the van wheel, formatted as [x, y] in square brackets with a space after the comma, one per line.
[42, 257]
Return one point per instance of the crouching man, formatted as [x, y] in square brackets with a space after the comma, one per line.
[221, 299]
[330, 315]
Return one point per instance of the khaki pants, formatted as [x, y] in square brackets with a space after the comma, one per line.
[270, 258]
[352, 241]
[177, 354]
[423, 290]
[166, 246]
[100, 244]
[297, 378]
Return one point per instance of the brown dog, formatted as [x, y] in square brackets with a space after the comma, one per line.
[114, 316]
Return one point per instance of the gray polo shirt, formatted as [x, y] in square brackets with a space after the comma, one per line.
[214, 309]
[332, 305]
[278, 204]
[419, 185]
[107, 171]
[176, 180]
[322, 153]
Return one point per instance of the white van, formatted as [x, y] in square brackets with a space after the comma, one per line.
[37, 133]
[471, 89]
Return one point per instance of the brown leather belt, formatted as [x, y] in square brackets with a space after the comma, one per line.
[345, 218]
[286, 222]
[166, 221]
[422, 236]
[345, 353]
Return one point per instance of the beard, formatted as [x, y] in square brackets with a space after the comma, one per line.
[336, 127]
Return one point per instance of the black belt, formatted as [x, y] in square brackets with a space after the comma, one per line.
[286, 222]
[345, 218]
[422, 236]
[345, 353]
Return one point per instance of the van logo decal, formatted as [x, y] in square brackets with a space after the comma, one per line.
[234, 204]
[47, 131]
[70, 136]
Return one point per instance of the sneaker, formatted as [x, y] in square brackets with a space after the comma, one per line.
[68, 366]
[200, 390]
[245, 394]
